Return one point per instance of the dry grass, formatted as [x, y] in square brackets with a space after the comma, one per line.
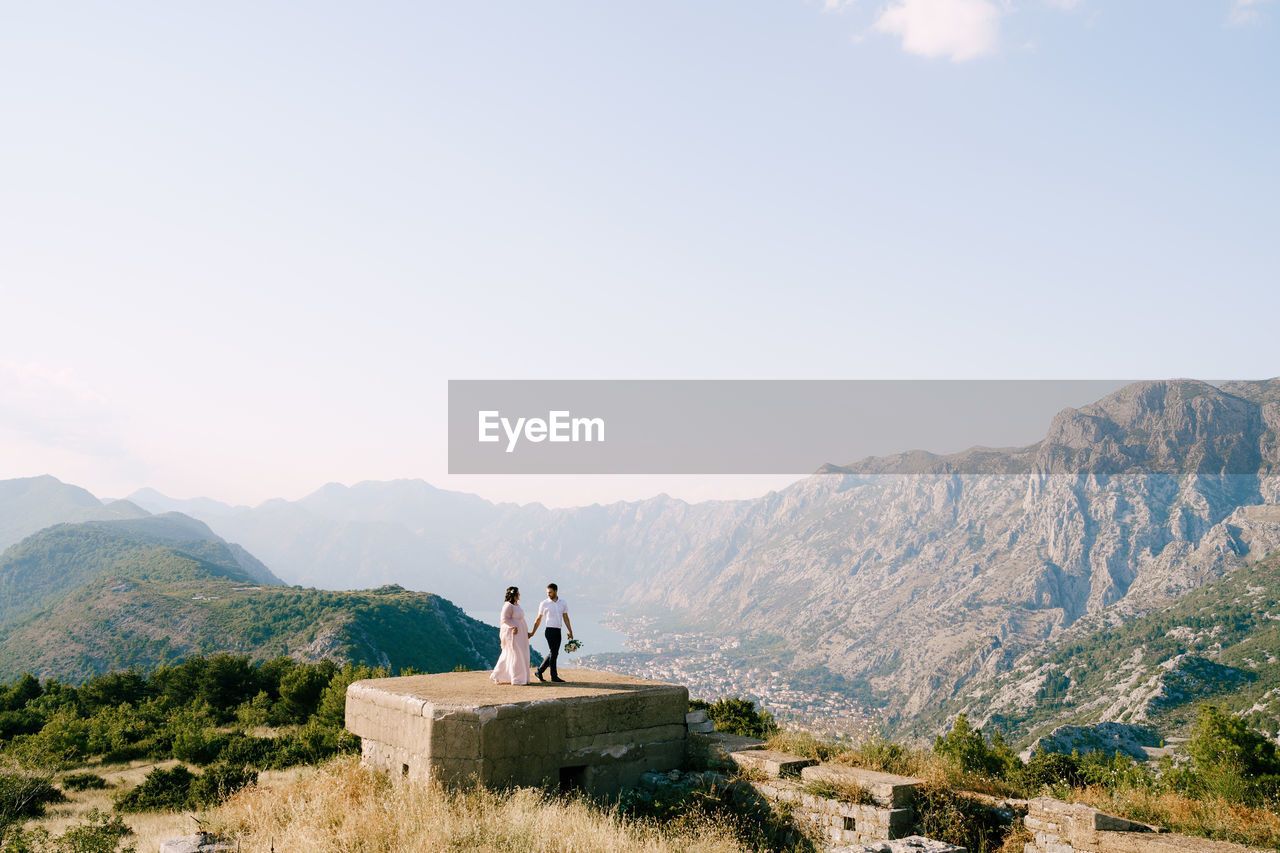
[344, 807]
[846, 792]
[806, 745]
[1017, 840]
[889, 757]
[1211, 817]
[149, 828]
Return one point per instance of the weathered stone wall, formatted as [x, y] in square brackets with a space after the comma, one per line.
[604, 732]
[1059, 827]
[886, 814]
[888, 821]
[600, 732]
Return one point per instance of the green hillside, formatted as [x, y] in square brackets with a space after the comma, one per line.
[42, 568]
[78, 600]
[28, 504]
[1220, 643]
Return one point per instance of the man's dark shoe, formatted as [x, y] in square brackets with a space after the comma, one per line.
[538, 673]
[556, 678]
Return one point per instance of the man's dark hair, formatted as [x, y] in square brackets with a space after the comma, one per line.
[553, 586]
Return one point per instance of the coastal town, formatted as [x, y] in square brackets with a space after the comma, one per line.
[715, 667]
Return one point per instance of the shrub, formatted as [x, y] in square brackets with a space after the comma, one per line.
[1105, 770]
[102, 833]
[1050, 769]
[806, 745]
[949, 816]
[24, 795]
[966, 746]
[63, 740]
[259, 752]
[256, 711]
[302, 688]
[737, 716]
[179, 788]
[219, 782]
[332, 710]
[879, 753]
[162, 791]
[112, 690]
[1230, 759]
[312, 744]
[26, 689]
[83, 782]
[228, 680]
[20, 722]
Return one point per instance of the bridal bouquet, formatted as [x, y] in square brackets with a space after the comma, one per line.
[572, 646]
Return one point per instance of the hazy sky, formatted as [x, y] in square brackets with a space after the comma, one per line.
[244, 245]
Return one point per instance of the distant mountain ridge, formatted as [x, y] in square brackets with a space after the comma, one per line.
[915, 586]
[29, 504]
[47, 565]
[920, 584]
[366, 535]
[81, 599]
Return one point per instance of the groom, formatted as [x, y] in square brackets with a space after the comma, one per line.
[555, 612]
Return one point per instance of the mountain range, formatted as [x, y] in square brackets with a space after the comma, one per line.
[82, 598]
[923, 582]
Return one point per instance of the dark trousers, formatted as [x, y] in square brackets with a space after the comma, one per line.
[553, 643]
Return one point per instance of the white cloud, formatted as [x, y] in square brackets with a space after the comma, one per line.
[956, 29]
[1066, 5]
[1244, 12]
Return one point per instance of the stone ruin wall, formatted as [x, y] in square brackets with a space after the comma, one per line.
[889, 824]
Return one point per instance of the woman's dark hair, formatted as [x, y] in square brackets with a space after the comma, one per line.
[512, 592]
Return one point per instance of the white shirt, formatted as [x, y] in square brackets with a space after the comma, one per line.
[552, 612]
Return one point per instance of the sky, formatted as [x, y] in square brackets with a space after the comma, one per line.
[244, 246]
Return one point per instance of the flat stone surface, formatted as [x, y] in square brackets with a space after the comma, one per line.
[1050, 811]
[476, 690]
[886, 789]
[771, 761]
[599, 731]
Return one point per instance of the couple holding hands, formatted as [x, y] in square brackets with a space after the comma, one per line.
[513, 664]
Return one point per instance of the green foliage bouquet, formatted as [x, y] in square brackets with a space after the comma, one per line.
[572, 646]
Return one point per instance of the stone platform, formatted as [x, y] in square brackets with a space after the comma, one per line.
[600, 732]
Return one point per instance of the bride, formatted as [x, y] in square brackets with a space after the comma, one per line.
[513, 665]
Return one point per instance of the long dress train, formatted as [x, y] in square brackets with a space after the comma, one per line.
[513, 664]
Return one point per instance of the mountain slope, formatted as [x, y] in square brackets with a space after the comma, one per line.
[148, 602]
[1220, 643]
[29, 504]
[909, 577]
[49, 564]
[917, 583]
